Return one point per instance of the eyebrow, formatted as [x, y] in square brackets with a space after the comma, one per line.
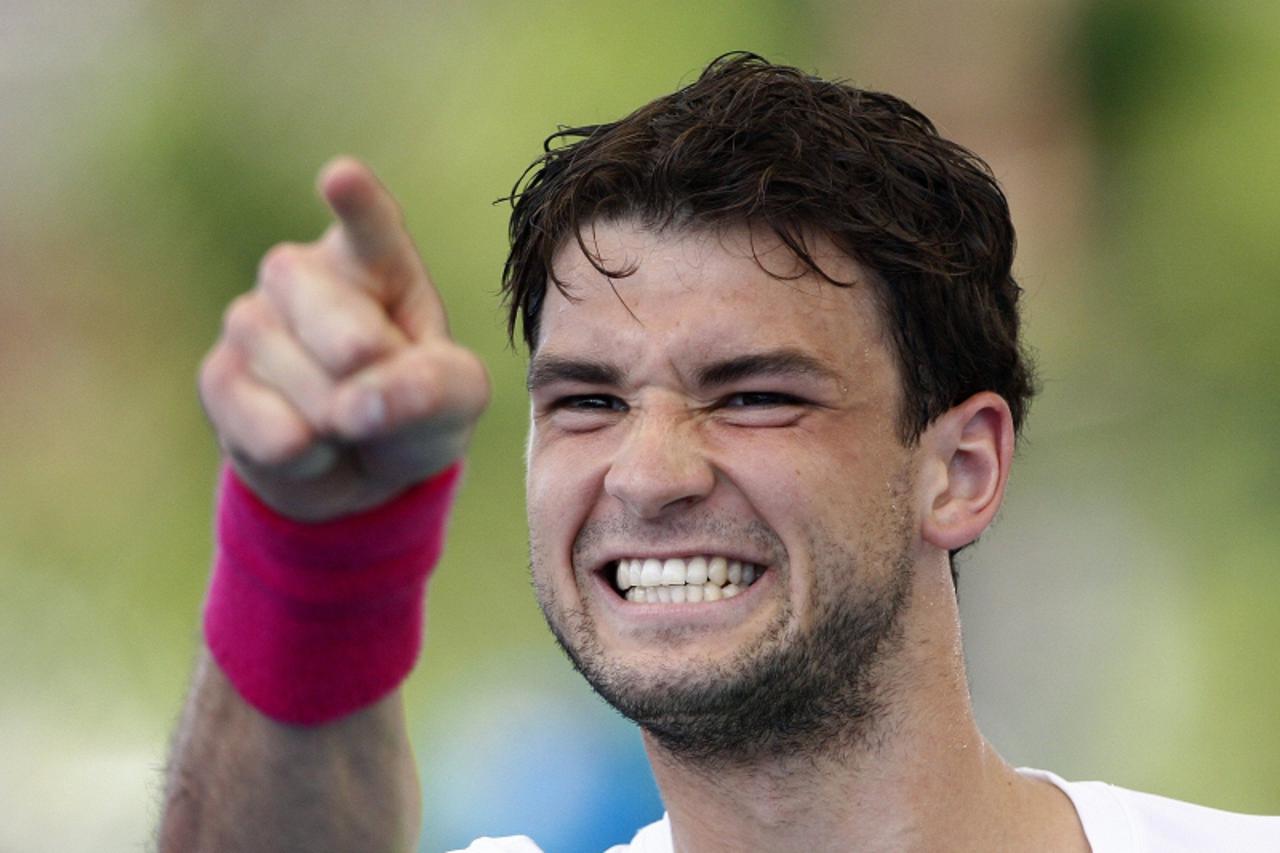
[778, 362]
[545, 370]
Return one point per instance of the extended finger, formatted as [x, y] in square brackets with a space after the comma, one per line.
[370, 217]
[420, 311]
[441, 382]
[371, 227]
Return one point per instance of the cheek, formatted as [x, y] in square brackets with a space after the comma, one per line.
[799, 475]
[550, 533]
[561, 487]
[835, 485]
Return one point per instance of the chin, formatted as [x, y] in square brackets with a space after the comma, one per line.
[790, 692]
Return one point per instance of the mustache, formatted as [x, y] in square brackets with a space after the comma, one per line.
[597, 534]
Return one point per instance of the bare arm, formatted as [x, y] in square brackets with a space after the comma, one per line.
[334, 386]
[242, 782]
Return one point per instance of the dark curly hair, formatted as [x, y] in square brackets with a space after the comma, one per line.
[758, 144]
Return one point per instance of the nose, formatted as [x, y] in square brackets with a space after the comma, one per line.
[660, 467]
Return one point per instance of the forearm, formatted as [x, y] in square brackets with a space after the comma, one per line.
[293, 737]
[337, 394]
[240, 781]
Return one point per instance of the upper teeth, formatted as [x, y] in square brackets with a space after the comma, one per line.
[713, 577]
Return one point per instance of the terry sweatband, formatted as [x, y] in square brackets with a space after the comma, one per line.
[311, 622]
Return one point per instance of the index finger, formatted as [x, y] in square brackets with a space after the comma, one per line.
[372, 227]
[369, 215]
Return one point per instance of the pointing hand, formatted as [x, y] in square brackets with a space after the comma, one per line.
[335, 384]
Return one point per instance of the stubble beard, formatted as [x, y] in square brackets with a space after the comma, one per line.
[793, 692]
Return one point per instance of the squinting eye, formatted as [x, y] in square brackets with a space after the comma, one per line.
[591, 403]
[585, 412]
[761, 409]
[760, 398]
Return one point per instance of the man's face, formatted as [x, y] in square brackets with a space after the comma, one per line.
[699, 413]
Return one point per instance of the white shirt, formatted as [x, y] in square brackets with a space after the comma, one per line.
[1115, 820]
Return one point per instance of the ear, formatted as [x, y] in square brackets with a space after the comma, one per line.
[968, 451]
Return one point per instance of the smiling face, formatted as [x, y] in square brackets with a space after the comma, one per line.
[708, 419]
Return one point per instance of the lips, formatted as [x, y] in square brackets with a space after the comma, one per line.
[681, 580]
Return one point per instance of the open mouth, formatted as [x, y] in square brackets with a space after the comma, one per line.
[681, 580]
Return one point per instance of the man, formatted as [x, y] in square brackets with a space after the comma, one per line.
[776, 380]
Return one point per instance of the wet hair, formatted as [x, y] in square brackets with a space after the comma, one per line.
[768, 146]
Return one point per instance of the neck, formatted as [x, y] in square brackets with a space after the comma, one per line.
[918, 777]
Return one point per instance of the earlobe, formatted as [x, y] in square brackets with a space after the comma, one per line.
[969, 452]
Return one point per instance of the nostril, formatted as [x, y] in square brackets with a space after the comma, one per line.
[659, 470]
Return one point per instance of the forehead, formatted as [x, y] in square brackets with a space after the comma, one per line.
[700, 294]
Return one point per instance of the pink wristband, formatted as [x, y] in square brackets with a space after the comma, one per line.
[311, 622]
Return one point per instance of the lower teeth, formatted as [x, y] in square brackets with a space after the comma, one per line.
[687, 594]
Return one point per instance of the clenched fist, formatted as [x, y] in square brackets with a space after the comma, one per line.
[335, 384]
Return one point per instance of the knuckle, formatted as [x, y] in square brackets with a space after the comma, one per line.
[483, 381]
[243, 317]
[353, 346]
[212, 375]
[486, 393]
[471, 370]
[279, 261]
[210, 382]
[218, 399]
[280, 271]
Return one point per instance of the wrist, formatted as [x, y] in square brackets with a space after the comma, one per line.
[313, 620]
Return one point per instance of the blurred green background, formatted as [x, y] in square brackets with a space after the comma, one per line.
[1121, 618]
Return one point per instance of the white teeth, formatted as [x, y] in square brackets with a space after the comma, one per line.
[680, 581]
[651, 573]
